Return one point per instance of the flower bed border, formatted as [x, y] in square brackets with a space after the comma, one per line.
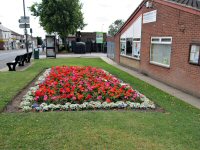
[27, 102]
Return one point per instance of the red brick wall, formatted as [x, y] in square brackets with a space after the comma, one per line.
[117, 48]
[171, 22]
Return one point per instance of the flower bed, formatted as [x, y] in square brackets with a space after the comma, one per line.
[82, 88]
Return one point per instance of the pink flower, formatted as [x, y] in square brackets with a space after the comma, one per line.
[45, 98]
[99, 98]
[36, 98]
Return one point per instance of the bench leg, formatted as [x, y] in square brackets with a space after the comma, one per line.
[10, 67]
[21, 63]
[14, 67]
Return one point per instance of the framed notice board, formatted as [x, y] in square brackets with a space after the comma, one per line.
[50, 46]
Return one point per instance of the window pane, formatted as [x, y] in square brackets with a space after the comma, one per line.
[194, 54]
[155, 40]
[129, 47]
[160, 53]
[123, 47]
[136, 49]
[166, 40]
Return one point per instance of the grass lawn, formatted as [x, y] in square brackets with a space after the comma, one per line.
[177, 129]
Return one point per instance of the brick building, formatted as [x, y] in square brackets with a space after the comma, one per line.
[91, 40]
[162, 39]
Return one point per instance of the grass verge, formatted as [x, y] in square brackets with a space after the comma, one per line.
[178, 128]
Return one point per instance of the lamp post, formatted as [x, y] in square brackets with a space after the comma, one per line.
[25, 28]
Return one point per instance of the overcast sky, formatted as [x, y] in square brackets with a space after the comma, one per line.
[98, 14]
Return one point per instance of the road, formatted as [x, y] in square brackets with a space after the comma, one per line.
[9, 55]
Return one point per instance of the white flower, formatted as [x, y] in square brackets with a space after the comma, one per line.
[45, 108]
[24, 104]
[26, 108]
[43, 105]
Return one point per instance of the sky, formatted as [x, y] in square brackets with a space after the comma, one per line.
[98, 14]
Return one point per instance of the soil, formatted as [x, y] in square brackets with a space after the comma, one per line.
[13, 106]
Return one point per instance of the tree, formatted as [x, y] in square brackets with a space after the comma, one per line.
[63, 17]
[114, 27]
[39, 40]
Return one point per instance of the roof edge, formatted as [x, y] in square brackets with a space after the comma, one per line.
[164, 2]
[185, 8]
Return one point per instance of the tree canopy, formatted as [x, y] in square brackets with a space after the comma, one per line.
[39, 40]
[59, 16]
[115, 26]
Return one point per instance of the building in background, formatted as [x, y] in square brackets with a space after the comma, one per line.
[5, 38]
[10, 40]
[162, 40]
[95, 41]
[16, 40]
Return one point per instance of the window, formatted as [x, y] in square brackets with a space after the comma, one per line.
[130, 40]
[195, 54]
[123, 46]
[161, 51]
[129, 46]
[136, 47]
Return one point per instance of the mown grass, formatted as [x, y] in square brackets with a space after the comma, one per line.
[176, 129]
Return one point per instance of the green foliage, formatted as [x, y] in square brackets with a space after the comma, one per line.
[59, 16]
[39, 40]
[114, 27]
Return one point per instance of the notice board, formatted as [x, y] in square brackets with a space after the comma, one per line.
[50, 46]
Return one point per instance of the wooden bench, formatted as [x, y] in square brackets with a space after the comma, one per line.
[12, 65]
[20, 59]
[28, 58]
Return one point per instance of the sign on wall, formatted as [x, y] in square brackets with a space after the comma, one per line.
[99, 37]
[150, 16]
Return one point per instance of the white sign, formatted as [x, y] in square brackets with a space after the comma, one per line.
[25, 19]
[99, 37]
[24, 25]
[150, 16]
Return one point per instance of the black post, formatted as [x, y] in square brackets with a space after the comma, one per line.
[31, 31]
[25, 28]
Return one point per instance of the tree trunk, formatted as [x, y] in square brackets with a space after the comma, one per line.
[65, 43]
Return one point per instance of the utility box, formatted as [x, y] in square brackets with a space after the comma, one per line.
[36, 53]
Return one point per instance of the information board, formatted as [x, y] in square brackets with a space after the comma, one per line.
[99, 37]
[50, 46]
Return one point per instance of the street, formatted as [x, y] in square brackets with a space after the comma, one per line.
[9, 55]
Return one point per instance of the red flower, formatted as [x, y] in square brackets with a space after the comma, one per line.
[88, 97]
[83, 84]
[108, 100]
[80, 97]
[68, 90]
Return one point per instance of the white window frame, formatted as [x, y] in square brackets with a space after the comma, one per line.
[191, 62]
[123, 40]
[136, 40]
[130, 40]
[159, 41]
[129, 33]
